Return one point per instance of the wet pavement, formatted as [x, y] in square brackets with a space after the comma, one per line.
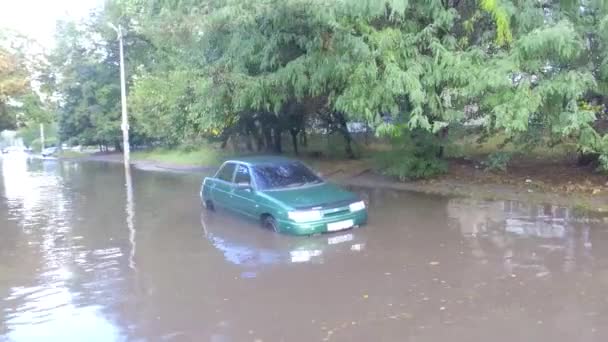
[87, 254]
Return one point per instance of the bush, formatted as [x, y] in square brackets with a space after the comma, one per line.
[603, 163]
[497, 161]
[405, 166]
[415, 157]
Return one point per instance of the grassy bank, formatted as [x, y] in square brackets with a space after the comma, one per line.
[548, 175]
[469, 146]
[72, 154]
[202, 156]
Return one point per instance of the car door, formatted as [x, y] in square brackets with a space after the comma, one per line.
[223, 185]
[244, 198]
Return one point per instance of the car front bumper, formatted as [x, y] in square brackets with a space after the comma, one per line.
[318, 227]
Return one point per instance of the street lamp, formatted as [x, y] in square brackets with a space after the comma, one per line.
[123, 98]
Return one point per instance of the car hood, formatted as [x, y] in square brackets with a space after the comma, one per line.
[312, 196]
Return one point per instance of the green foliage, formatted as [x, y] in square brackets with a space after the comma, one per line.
[497, 161]
[169, 107]
[264, 69]
[416, 155]
[404, 166]
[603, 163]
[36, 145]
[204, 155]
[89, 113]
[14, 81]
[31, 132]
[502, 19]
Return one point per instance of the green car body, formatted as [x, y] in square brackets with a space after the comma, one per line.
[304, 209]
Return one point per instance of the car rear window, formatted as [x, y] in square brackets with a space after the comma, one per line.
[285, 175]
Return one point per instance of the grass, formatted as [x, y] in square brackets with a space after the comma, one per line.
[332, 159]
[203, 156]
[72, 154]
[329, 150]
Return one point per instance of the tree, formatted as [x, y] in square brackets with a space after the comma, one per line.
[86, 84]
[14, 81]
[256, 71]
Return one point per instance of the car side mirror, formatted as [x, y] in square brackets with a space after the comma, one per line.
[243, 186]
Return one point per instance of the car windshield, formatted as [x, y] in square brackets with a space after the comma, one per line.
[286, 175]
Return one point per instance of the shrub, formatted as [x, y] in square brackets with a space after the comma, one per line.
[405, 166]
[603, 163]
[416, 157]
[497, 161]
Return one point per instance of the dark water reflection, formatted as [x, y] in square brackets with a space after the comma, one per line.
[89, 253]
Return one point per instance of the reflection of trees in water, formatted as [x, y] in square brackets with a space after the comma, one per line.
[60, 267]
[542, 238]
[7, 243]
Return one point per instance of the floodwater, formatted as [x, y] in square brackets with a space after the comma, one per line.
[88, 254]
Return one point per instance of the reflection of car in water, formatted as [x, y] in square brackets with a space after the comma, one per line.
[258, 248]
[284, 195]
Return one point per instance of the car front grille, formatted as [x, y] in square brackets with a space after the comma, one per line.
[340, 211]
[327, 206]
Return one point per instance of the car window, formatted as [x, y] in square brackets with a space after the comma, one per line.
[226, 172]
[242, 175]
[284, 175]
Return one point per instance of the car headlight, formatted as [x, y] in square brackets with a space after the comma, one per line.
[357, 206]
[303, 216]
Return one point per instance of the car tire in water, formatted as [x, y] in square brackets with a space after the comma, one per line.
[208, 204]
[270, 223]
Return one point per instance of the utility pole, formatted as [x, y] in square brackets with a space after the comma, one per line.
[41, 137]
[126, 148]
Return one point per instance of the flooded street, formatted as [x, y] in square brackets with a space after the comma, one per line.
[88, 255]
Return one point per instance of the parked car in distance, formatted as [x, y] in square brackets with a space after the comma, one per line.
[284, 195]
[4, 151]
[49, 151]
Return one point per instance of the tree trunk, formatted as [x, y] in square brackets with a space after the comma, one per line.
[259, 142]
[349, 148]
[268, 137]
[294, 140]
[303, 138]
[443, 133]
[248, 142]
[235, 143]
[347, 137]
[249, 132]
[278, 144]
[259, 139]
[586, 159]
[225, 139]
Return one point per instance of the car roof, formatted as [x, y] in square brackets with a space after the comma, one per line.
[260, 160]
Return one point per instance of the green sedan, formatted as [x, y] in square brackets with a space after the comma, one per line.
[284, 195]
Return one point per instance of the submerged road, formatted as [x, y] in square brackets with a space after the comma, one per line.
[88, 253]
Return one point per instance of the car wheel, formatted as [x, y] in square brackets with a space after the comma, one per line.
[269, 222]
[208, 204]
